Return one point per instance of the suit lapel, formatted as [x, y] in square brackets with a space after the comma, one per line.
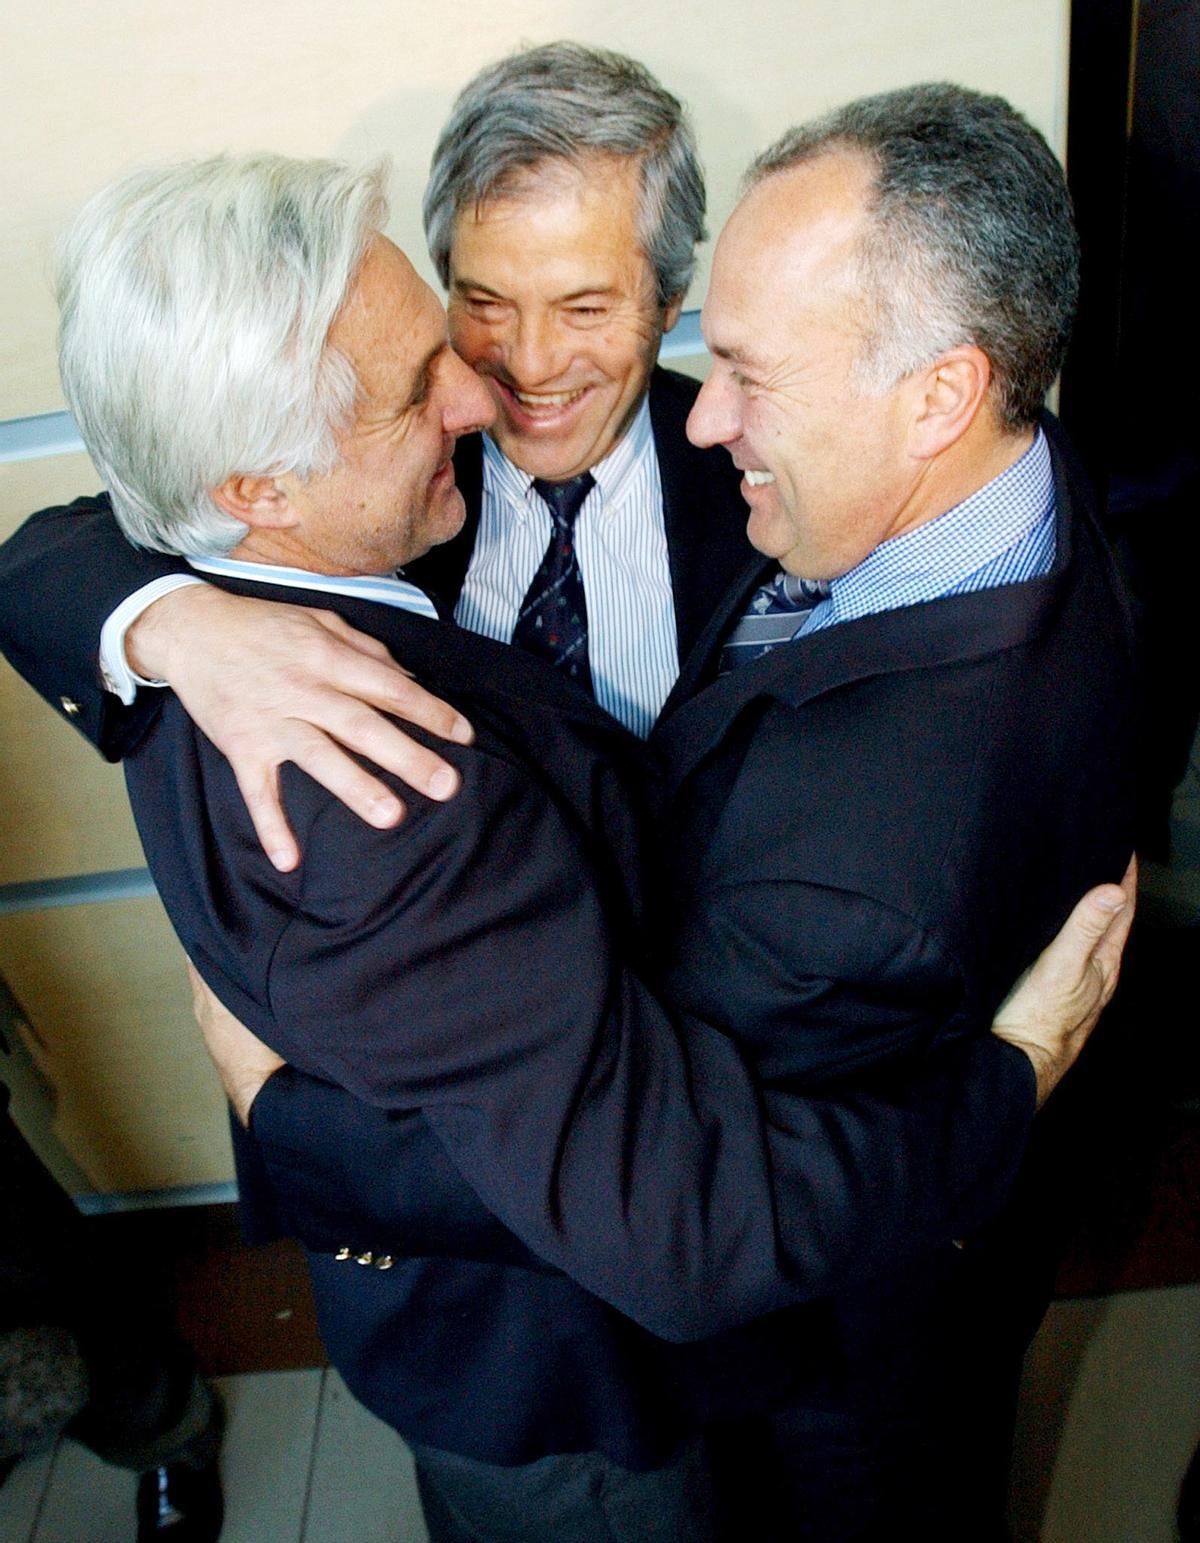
[699, 667]
[440, 573]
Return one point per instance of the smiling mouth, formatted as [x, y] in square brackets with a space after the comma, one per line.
[759, 479]
[536, 399]
[535, 405]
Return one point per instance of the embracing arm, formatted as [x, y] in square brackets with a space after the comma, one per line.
[61, 575]
[267, 683]
[639, 1153]
[355, 1175]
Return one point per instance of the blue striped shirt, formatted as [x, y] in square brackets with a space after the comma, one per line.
[621, 540]
[1002, 534]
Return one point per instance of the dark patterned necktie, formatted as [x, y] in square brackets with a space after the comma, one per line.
[552, 621]
[777, 611]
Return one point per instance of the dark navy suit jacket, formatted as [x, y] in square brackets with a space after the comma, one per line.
[867, 835]
[659, 1162]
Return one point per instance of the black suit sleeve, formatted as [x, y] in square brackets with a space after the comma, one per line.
[639, 1152]
[61, 576]
[348, 1174]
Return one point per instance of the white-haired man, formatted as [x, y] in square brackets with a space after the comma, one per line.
[563, 211]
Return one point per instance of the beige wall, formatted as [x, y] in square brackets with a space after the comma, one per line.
[90, 91]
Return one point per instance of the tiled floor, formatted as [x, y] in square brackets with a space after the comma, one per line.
[302, 1463]
[1110, 1416]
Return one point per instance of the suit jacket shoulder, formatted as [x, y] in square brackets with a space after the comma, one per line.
[943, 780]
[61, 575]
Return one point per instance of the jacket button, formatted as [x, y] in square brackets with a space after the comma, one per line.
[343, 1254]
[69, 706]
[384, 1262]
[366, 1258]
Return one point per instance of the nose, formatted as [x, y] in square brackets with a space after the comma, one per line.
[468, 403]
[714, 418]
[535, 354]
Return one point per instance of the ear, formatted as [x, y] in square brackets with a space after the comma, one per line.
[671, 312]
[256, 501]
[950, 394]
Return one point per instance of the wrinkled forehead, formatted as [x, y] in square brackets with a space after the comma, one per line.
[391, 320]
[552, 177]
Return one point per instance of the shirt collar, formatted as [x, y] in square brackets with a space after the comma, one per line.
[964, 539]
[614, 474]
[384, 588]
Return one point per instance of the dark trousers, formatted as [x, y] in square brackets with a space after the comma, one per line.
[809, 1475]
[578, 1497]
[919, 1448]
[84, 1346]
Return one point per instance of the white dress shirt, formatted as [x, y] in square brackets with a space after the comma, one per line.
[621, 543]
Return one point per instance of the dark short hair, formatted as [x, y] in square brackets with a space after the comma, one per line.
[971, 236]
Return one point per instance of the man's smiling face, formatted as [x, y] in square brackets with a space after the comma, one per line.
[828, 472]
[553, 302]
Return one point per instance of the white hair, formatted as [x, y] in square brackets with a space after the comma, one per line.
[196, 302]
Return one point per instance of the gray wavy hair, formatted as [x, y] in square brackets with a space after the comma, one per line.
[971, 236]
[566, 102]
[196, 302]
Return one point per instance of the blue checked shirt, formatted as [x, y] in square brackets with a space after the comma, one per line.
[621, 540]
[1000, 535]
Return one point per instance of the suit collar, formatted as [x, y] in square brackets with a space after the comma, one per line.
[954, 629]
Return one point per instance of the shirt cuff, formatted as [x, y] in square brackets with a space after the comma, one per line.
[115, 670]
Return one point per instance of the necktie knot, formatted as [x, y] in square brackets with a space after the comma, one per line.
[552, 621]
[777, 611]
[565, 499]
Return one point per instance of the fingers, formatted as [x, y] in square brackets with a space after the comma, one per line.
[1111, 945]
[351, 635]
[1057, 1003]
[270, 683]
[326, 762]
[334, 770]
[370, 675]
[259, 787]
[1091, 938]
